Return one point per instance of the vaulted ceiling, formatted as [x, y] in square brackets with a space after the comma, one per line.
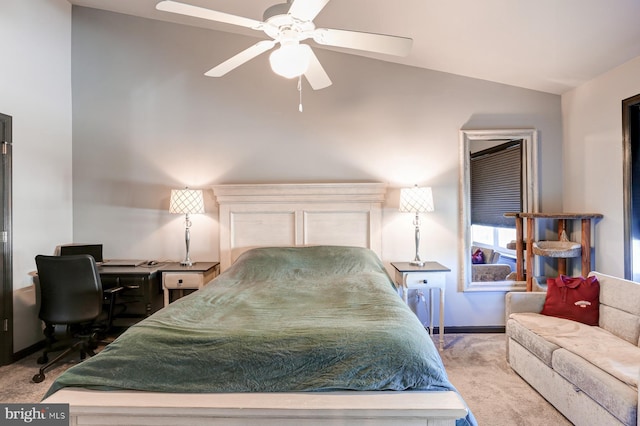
[546, 45]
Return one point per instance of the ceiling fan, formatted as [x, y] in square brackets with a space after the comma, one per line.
[288, 24]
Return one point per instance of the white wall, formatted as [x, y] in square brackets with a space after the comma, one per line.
[592, 152]
[35, 88]
[146, 120]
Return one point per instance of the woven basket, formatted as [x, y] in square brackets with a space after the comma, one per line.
[562, 248]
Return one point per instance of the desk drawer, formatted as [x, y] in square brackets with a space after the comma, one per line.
[423, 279]
[178, 280]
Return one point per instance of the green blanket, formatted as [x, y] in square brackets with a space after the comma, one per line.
[280, 319]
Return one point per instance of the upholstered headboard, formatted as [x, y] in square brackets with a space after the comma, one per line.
[260, 215]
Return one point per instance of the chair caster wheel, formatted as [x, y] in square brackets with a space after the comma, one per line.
[38, 378]
[43, 359]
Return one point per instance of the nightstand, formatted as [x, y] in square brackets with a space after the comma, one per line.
[178, 277]
[429, 276]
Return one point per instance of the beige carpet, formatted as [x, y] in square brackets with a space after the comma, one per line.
[497, 396]
[475, 363]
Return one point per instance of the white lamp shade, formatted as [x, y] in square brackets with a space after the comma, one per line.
[417, 199]
[290, 60]
[186, 201]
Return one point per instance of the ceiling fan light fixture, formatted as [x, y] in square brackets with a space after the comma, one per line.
[288, 24]
[290, 60]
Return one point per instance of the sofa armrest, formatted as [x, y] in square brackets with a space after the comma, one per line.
[516, 301]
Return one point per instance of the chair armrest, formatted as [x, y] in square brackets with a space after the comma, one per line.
[111, 294]
[523, 302]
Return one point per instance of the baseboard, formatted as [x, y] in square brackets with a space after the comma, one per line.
[471, 329]
[29, 350]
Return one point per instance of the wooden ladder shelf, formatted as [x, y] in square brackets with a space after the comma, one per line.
[525, 249]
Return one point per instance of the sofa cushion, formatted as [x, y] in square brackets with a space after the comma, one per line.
[577, 406]
[623, 294]
[619, 307]
[621, 323]
[601, 348]
[537, 345]
[618, 398]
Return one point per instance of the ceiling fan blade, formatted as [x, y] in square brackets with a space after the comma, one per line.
[239, 59]
[306, 10]
[316, 75]
[212, 15]
[381, 43]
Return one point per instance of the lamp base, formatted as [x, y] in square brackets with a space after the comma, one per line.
[187, 263]
[417, 262]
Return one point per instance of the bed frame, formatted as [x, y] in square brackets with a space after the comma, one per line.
[298, 215]
[278, 215]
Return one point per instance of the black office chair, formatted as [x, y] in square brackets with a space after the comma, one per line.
[76, 311]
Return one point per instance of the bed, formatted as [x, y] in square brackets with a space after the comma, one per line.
[302, 332]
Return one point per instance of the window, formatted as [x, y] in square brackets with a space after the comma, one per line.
[492, 237]
[496, 184]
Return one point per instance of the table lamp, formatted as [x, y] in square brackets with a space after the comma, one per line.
[186, 201]
[416, 200]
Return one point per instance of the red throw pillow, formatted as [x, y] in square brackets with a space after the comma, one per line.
[477, 257]
[573, 298]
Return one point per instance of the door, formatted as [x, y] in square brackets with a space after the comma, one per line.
[6, 270]
[631, 186]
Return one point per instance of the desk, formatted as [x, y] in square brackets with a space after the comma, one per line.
[143, 295]
[429, 276]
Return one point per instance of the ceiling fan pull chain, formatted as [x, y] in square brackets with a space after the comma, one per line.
[300, 92]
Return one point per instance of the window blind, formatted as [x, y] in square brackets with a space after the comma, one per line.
[496, 183]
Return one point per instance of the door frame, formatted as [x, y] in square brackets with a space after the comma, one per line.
[631, 184]
[6, 251]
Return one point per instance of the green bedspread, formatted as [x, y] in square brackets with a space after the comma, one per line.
[280, 319]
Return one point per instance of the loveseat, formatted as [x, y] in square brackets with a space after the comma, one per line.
[489, 269]
[589, 373]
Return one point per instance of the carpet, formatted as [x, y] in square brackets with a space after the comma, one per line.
[475, 363]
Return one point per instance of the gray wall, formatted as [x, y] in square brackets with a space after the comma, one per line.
[592, 163]
[35, 89]
[146, 120]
